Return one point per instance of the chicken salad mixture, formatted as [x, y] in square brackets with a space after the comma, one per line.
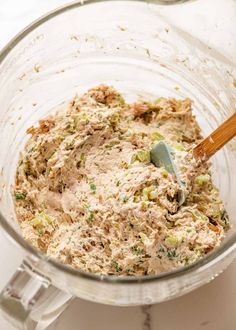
[87, 194]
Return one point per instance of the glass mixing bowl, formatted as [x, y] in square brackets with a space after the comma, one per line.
[126, 44]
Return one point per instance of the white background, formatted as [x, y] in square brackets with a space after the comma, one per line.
[212, 307]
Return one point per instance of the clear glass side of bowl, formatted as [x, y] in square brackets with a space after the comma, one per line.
[128, 45]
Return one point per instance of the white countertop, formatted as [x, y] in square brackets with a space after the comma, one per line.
[212, 307]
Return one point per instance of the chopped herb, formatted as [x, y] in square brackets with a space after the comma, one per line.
[161, 249]
[20, 195]
[156, 136]
[124, 198]
[93, 187]
[187, 260]
[131, 225]
[117, 183]
[142, 156]
[90, 218]
[137, 250]
[62, 186]
[116, 266]
[171, 254]
[129, 270]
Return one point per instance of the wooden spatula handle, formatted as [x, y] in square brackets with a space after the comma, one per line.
[216, 140]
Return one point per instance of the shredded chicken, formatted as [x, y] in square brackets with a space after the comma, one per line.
[87, 194]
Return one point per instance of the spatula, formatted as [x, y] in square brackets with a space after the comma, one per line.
[162, 155]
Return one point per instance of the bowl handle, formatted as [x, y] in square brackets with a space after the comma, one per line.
[30, 302]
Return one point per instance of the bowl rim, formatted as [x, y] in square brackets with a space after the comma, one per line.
[207, 261]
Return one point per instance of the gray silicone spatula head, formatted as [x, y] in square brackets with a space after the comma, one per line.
[163, 156]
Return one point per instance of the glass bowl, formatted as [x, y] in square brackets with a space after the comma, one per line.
[126, 44]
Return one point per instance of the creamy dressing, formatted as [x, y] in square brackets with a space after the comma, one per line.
[87, 194]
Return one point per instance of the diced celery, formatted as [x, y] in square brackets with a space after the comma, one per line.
[171, 241]
[204, 217]
[142, 156]
[149, 193]
[156, 136]
[199, 215]
[35, 222]
[178, 146]
[114, 118]
[144, 238]
[153, 194]
[169, 224]
[82, 156]
[84, 116]
[41, 220]
[76, 122]
[202, 179]
[124, 165]
[145, 193]
[164, 172]
[144, 205]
